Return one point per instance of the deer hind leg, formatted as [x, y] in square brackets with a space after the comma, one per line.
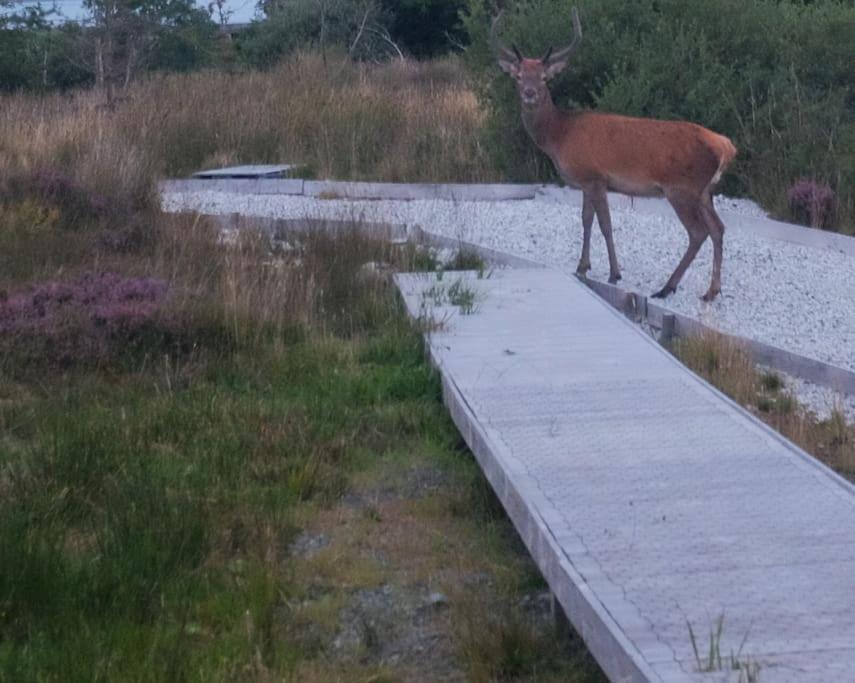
[601, 206]
[587, 222]
[690, 213]
[716, 230]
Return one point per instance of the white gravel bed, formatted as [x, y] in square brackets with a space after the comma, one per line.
[821, 400]
[798, 298]
[746, 207]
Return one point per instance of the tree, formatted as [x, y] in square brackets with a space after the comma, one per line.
[128, 34]
[359, 27]
[23, 58]
[426, 28]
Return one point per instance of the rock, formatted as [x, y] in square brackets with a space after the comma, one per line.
[306, 545]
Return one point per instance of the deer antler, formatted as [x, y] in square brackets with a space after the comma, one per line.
[503, 52]
[567, 52]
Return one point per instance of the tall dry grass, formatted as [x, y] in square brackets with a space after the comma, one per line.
[394, 122]
[729, 366]
[78, 179]
[404, 122]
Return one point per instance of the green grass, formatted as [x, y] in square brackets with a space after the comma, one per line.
[148, 510]
[127, 507]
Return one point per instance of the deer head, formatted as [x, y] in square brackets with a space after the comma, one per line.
[532, 75]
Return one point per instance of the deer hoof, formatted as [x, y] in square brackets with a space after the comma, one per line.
[665, 291]
[583, 268]
[614, 278]
[710, 295]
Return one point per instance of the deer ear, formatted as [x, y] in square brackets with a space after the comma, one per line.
[552, 69]
[509, 67]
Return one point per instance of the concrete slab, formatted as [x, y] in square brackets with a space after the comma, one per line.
[290, 186]
[334, 189]
[649, 500]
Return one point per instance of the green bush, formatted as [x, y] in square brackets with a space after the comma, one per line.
[776, 77]
[344, 25]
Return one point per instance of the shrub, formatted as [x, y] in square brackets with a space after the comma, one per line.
[811, 202]
[95, 318]
[74, 203]
[55, 185]
[776, 77]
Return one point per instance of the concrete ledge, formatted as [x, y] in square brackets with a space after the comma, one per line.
[279, 227]
[796, 234]
[394, 232]
[286, 186]
[488, 254]
[632, 304]
[407, 191]
[641, 309]
[333, 189]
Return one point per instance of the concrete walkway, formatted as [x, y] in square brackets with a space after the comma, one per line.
[648, 500]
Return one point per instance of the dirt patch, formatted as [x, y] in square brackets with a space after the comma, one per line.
[404, 576]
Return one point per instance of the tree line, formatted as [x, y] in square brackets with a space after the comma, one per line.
[119, 39]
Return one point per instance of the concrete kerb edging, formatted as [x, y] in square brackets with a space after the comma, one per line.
[616, 654]
[641, 309]
[333, 189]
[810, 461]
[394, 232]
[634, 305]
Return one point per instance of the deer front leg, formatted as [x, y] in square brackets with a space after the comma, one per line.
[587, 222]
[601, 206]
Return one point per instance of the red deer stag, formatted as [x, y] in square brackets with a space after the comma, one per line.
[598, 152]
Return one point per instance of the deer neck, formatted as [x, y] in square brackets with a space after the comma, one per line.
[539, 122]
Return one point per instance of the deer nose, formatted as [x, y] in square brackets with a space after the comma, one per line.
[529, 93]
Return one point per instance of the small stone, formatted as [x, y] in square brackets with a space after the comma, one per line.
[437, 599]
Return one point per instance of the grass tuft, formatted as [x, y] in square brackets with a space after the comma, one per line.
[730, 368]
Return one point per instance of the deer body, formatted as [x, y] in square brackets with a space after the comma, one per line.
[598, 152]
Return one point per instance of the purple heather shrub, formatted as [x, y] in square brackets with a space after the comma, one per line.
[812, 200]
[57, 189]
[63, 191]
[87, 319]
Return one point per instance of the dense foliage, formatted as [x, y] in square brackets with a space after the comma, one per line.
[37, 53]
[777, 77]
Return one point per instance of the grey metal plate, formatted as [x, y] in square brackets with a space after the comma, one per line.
[250, 171]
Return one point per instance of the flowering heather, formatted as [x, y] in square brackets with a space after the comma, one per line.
[812, 200]
[83, 320]
[58, 190]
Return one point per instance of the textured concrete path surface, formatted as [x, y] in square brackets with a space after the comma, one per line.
[649, 500]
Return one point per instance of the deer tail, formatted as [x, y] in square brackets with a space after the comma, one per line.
[725, 150]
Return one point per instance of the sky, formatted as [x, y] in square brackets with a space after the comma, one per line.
[243, 10]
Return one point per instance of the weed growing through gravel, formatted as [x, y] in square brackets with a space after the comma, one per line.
[467, 259]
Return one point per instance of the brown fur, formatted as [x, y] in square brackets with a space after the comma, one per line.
[599, 152]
